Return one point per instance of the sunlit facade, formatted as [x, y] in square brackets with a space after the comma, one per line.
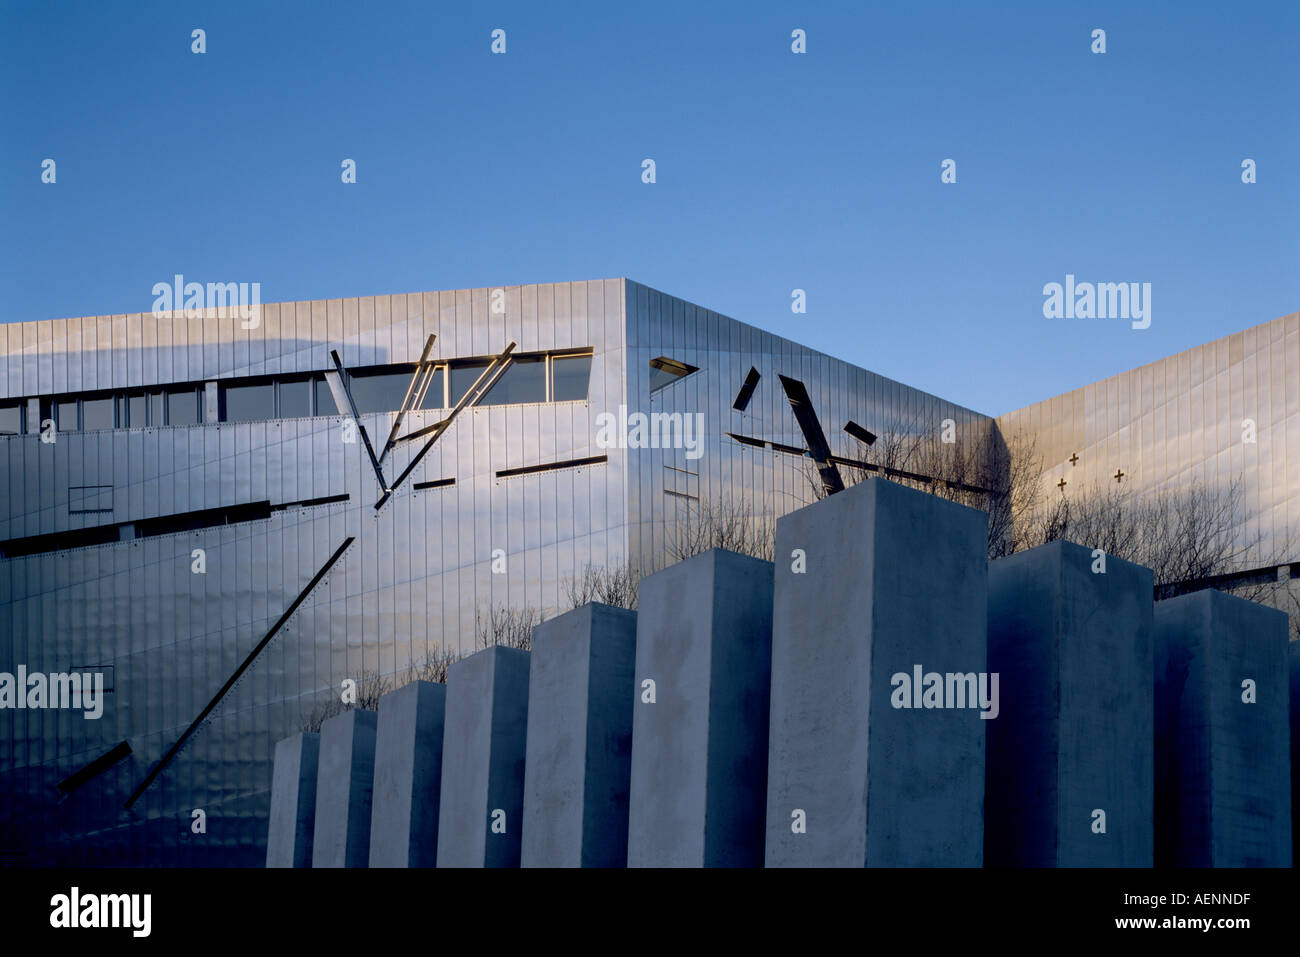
[171, 487]
[170, 438]
[1223, 413]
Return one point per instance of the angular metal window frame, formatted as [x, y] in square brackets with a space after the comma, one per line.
[589, 353]
[679, 368]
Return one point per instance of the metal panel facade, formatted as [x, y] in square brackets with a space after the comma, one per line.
[420, 573]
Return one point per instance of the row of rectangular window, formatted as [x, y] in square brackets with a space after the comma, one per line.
[175, 405]
[532, 378]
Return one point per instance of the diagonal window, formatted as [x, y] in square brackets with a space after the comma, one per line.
[665, 371]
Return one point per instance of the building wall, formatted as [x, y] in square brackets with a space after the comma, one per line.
[420, 570]
[1178, 421]
[769, 482]
[417, 575]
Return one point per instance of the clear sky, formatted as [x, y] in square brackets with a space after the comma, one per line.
[775, 171]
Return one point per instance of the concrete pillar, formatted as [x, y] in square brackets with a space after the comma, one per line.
[408, 774]
[875, 582]
[578, 769]
[293, 801]
[484, 739]
[699, 729]
[344, 779]
[1293, 654]
[1223, 767]
[1070, 633]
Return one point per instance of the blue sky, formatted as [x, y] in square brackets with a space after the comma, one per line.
[775, 171]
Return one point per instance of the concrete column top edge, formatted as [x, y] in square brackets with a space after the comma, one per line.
[362, 716]
[418, 688]
[1213, 596]
[494, 653]
[1063, 549]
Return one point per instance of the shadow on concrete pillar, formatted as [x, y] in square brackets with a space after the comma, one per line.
[293, 801]
[408, 774]
[580, 699]
[480, 816]
[880, 594]
[1293, 656]
[1223, 771]
[344, 779]
[699, 730]
[1070, 774]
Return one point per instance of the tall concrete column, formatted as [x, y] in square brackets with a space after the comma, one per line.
[483, 746]
[1293, 657]
[344, 779]
[1223, 768]
[578, 769]
[293, 801]
[1070, 774]
[699, 729]
[880, 595]
[408, 776]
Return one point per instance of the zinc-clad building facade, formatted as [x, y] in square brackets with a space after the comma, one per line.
[182, 437]
[1221, 413]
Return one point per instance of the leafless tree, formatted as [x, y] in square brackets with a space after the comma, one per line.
[1187, 535]
[725, 523]
[511, 627]
[1286, 596]
[977, 468]
[609, 584]
[369, 686]
[432, 667]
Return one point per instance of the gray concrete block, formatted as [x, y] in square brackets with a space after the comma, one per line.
[483, 747]
[892, 579]
[699, 752]
[293, 801]
[408, 775]
[578, 770]
[344, 779]
[1074, 650]
[1293, 655]
[1223, 767]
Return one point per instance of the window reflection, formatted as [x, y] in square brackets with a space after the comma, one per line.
[570, 376]
[523, 381]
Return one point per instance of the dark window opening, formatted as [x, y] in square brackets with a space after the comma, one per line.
[183, 406]
[66, 415]
[552, 466]
[295, 399]
[379, 391]
[746, 390]
[463, 377]
[11, 418]
[433, 396]
[325, 404]
[665, 371]
[859, 433]
[136, 417]
[570, 377]
[98, 413]
[523, 381]
[248, 403]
